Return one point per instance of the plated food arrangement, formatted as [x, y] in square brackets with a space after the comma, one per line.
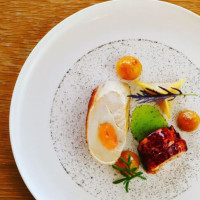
[126, 109]
[56, 158]
[107, 123]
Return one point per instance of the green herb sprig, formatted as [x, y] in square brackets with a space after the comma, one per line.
[128, 173]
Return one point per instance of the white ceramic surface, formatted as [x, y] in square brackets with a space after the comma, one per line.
[56, 53]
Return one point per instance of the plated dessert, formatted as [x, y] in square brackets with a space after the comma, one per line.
[107, 123]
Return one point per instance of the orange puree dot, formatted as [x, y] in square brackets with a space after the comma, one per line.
[107, 136]
[128, 68]
[188, 120]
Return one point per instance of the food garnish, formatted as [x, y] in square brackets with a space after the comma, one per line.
[134, 159]
[147, 97]
[159, 147]
[188, 120]
[128, 172]
[165, 105]
[107, 121]
[129, 68]
[145, 120]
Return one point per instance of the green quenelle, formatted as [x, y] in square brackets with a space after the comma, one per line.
[145, 120]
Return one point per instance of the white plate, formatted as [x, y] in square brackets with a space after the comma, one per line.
[56, 53]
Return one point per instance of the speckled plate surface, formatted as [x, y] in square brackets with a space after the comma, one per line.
[50, 99]
[69, 112]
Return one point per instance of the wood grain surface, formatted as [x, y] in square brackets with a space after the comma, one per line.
[22, 24]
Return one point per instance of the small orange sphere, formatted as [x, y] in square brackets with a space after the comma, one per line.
[134, 159]
[129, 68]
[188, 120]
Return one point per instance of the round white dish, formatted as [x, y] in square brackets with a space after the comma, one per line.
[56, 53]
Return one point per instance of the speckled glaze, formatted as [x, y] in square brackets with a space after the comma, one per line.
[160, 64]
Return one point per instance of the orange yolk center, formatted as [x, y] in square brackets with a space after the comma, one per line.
[107, 136]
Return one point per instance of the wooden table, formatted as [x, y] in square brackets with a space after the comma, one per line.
[22, 24]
